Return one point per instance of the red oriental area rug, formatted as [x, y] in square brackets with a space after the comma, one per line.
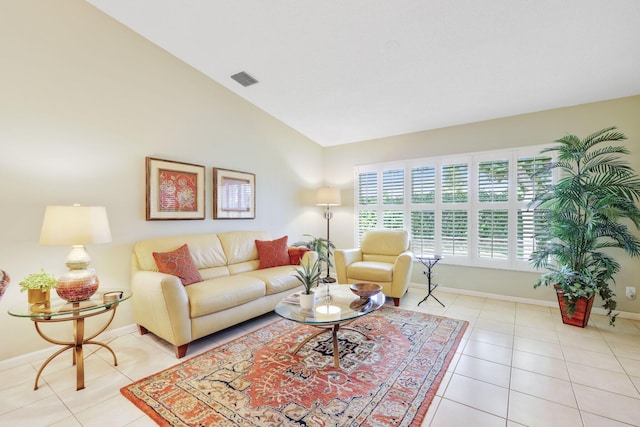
[389, 373]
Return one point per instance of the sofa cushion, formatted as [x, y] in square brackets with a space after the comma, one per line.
[212, 296]
[240, 246]
[296, 253]
[178, 263]
[277, 279]
[373, 271]
[206, 250]
[273, 253]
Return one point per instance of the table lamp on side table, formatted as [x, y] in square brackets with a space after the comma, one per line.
[76, 226]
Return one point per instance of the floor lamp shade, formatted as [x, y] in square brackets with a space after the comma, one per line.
[328, 196]
[76, 226]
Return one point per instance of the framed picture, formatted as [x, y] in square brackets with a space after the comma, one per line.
[175, 190]
[234, 194]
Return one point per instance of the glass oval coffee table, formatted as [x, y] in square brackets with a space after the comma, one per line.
[335, 307]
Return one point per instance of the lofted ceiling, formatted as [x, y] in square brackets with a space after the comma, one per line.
[341, 71]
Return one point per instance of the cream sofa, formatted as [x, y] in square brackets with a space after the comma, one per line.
[384, 257]
[233, 289]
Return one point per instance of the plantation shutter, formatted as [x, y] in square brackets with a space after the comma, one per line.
[393, 194]
[367, 220]
[367, 199]
[423, 185]
[393, 187]
[493, 181]
[454, 232]
[531, 231]
[423, 218]
[492, 228]
[423, 229]
[455, 222]
[493, 233]
[368, 188]
[533, 178]
[455, 183]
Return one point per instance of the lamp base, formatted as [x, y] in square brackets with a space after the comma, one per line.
[328, 279]
[77, 285]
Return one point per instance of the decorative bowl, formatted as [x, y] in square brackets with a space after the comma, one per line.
[365, 290]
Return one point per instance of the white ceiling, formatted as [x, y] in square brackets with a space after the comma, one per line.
[341, 71]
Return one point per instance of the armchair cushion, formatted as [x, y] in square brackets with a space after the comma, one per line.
[368, 271]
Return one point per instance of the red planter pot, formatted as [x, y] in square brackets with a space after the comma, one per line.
[580, 317]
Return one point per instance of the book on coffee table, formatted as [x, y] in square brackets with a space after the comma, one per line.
[292, 299]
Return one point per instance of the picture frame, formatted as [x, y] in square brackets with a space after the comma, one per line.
[174, 190]
[234, 194]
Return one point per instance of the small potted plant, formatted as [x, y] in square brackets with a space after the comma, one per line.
[38, 286]
[308, 275]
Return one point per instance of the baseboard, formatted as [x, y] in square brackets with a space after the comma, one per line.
[552, 304]
[40, 355]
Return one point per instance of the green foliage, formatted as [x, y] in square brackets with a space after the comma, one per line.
[42, 280]
[319, 245]
[587, 212]
[308, 275]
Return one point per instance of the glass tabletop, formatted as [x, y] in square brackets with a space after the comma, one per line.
[338, 306]
[57, 307]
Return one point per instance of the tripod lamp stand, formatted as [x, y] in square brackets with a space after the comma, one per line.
[327, 196]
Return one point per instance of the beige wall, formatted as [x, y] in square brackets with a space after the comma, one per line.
[523, 130]
[83, 100]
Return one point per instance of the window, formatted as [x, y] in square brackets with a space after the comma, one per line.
[472, 209]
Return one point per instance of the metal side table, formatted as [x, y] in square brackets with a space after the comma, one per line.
[429, 261]
[59, 310]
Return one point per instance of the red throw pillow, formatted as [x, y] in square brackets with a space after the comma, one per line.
[296, 253]
[273, 253]
[178, 263]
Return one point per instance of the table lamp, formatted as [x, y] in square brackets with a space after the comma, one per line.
[327, 196]
[76, 226]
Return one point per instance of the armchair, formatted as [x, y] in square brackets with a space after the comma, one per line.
[384, 257]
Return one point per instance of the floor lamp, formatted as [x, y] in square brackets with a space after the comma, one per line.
[327, 196]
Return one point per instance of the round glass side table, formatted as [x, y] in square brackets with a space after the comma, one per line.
[59, 310]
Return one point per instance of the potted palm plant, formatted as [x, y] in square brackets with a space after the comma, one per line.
[587, 214]
[308, 275]
[38, 286]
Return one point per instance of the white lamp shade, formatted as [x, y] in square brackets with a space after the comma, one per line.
[75, 225]
[328, 196]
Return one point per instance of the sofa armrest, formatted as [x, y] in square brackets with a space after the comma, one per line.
[402, 269]
[161, 305]
[344, 258]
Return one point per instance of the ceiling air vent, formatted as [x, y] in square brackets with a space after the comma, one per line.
[244, 79]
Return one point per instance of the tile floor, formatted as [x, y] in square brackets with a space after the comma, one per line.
[517, 365]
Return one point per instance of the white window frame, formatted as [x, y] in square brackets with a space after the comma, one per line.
[472, 206]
